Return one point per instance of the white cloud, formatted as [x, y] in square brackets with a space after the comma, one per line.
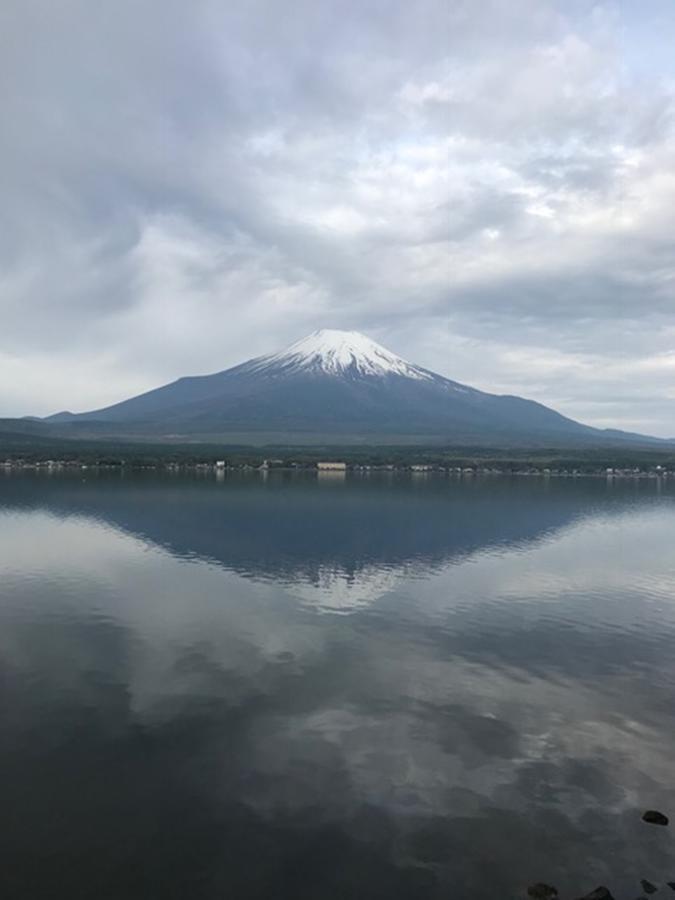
[178, 199]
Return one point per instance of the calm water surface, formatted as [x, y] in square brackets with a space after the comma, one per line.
[324, 689]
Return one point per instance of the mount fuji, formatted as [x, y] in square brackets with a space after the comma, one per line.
[338, 386]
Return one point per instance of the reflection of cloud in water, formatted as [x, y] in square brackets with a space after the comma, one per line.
[276, 529]
[458, 735]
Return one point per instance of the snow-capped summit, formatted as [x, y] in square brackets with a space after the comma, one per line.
[331, 385]
[334, 352]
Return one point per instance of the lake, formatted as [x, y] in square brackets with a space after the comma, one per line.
[308, 687]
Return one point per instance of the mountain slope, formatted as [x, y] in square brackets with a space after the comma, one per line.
[333, 383]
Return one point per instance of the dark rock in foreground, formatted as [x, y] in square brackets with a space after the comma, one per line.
[654, 817]
[648, 887]
[600, 893]
[541, 891]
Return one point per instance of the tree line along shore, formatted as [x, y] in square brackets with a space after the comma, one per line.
[340, 467]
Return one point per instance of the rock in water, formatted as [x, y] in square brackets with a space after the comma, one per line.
[654, 817]
[648, 887]
[541, 891]
[600, 893]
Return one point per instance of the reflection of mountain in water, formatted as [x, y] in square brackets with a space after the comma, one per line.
[345, 543]
[333, 590]
[389, 755]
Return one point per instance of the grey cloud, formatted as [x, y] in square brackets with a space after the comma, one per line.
[182, 192]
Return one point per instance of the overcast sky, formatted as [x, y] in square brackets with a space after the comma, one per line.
[485, 186]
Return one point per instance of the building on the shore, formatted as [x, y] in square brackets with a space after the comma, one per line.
[271, 464]
[332, 466]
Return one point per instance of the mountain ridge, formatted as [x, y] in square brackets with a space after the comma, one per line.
[336, 382]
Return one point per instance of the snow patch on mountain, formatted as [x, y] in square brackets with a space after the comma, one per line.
[338, 353]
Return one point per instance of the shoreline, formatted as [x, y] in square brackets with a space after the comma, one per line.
[415, 470]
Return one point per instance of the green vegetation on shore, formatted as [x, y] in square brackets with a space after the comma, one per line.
[31, 449]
